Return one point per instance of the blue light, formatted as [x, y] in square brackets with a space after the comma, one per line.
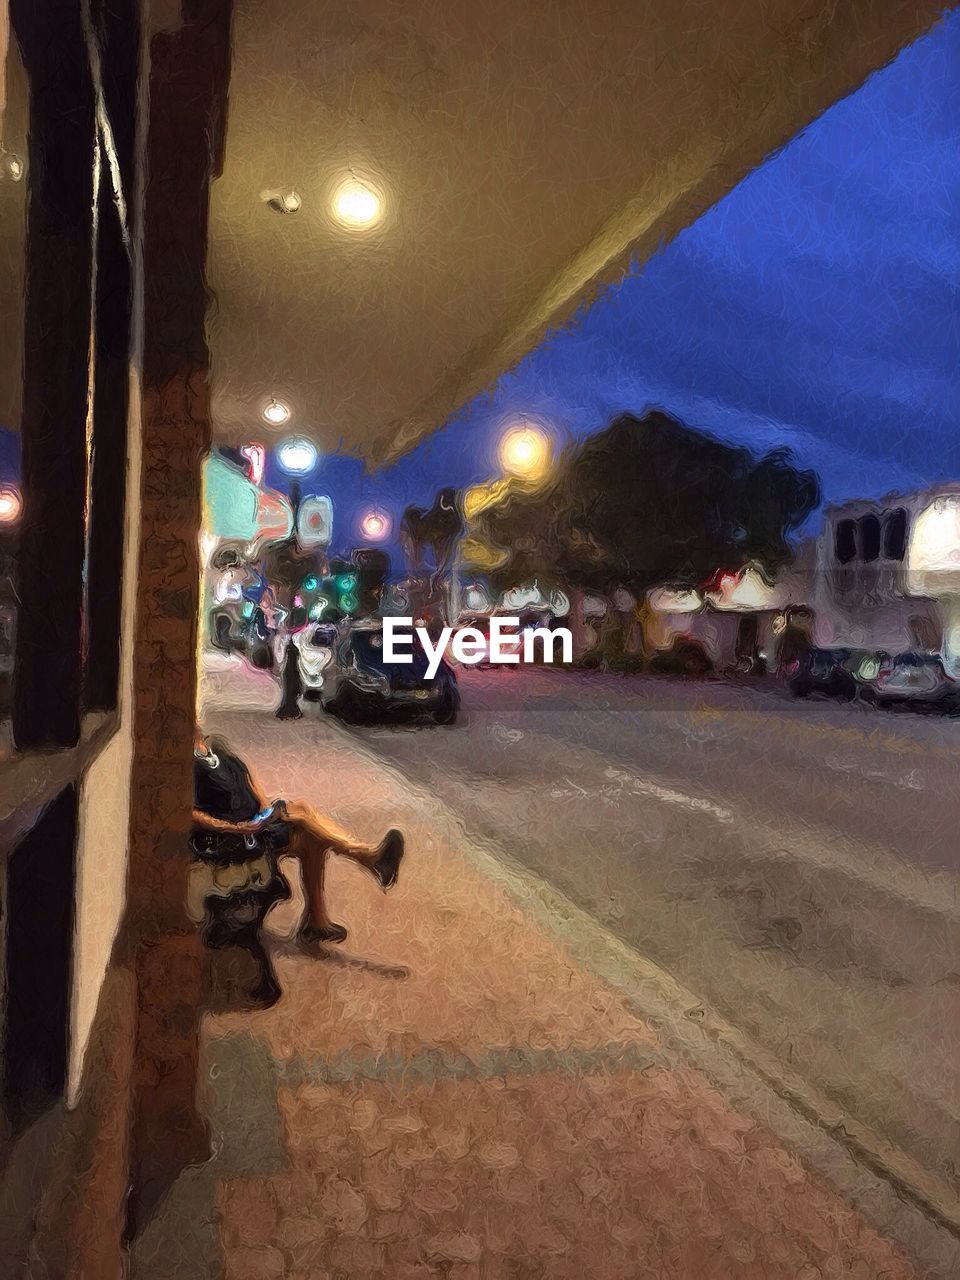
[297, 456]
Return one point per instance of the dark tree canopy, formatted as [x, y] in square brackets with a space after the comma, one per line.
[649, 501]
[436, 529]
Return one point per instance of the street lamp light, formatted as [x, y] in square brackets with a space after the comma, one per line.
[297, 456]
[525, 452]
[375, 525]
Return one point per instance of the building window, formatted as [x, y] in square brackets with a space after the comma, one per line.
[846, 541]
[869, 527]
[895, 535]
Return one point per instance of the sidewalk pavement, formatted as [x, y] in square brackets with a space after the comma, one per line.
[450, 1094]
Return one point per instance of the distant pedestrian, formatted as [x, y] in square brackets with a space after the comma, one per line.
[291, 684]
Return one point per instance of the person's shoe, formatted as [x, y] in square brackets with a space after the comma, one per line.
[387, 866]
[331, 932]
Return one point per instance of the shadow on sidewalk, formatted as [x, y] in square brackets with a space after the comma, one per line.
[339, 958]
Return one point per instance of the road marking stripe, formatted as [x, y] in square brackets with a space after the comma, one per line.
[642, 786]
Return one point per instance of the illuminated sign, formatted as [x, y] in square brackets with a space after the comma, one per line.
[315, 521]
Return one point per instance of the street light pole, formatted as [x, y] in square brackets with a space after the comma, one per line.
[295, 500]
[454, 604]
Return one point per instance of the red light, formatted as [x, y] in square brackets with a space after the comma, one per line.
[256, 456]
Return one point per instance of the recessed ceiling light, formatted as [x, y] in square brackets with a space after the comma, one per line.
[356, 205]
[276, 412]
[11, 504]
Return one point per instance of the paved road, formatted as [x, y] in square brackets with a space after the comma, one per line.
[794, 865]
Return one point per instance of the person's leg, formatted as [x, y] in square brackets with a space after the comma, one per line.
[312, 839]
[381, 860]
[312, 853]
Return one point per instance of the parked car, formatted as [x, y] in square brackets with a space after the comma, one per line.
[865, 666]
[359, 684]
[918, 680]
[837, 673]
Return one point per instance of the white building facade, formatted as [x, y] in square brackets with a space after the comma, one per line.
[888, 575]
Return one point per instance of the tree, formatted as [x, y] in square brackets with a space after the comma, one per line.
[650, 501]
[436, 529]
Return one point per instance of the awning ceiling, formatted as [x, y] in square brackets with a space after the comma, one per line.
[522, 152]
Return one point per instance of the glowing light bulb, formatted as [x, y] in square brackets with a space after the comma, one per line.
[276, 413]
[356, 205]
[525, 452]
[11, 504]
[297, 456]
[375, 526]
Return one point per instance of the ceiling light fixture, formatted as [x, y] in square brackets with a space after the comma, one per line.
[275, 412]
[355, 205]
[11, 166]
[11, 504]
[282, 200]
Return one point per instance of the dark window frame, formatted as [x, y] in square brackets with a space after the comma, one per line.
[844, 529]
[894, 535]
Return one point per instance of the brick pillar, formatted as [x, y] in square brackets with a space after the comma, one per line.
[188, 80]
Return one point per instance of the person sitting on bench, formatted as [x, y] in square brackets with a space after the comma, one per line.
[237, 835]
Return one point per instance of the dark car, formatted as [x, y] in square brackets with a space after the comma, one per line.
[836, 673]
[362, 685]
